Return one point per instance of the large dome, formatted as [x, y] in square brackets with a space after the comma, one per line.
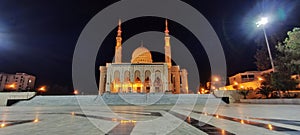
[141, 55]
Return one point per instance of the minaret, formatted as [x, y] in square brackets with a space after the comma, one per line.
[118, 51]
[167, 47]
[168, 58]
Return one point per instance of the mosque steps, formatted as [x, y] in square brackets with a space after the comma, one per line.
[119, 99]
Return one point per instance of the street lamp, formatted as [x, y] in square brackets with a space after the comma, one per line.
[75, 92]
[42, 89]
[260, 79]
[262, 22]
[216, 79]
[12, 86]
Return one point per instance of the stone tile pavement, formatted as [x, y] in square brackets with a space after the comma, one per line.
[155, 119]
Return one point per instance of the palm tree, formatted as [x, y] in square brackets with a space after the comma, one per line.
[244, 93]
[265, 90]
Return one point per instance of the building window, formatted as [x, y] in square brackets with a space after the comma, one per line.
[244, 76]
[251, 76]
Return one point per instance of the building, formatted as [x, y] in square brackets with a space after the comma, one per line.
[249, 80]
[297, 79]
[216, 82]
[18, 81]
[142, 75]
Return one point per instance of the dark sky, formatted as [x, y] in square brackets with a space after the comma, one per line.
[39, 36]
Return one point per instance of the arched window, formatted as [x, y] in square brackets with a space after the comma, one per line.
[137, 85]
[137, 74]
[147, 83]
[158, 82]
[116, 82]
[126, 76]
[117, 75]
[126, 84]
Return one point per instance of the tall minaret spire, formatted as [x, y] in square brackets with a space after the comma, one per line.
[167, 30]
[167, 46]
[119, 28]
[118, 49]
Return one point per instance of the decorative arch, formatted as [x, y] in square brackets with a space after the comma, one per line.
[127, 86]
[137, 74]
[126, 76]
[147, 82]
[117, 75]
[116, 85]
[158, 84]
[137, 85]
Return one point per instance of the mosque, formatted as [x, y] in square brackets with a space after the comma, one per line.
[142, 75]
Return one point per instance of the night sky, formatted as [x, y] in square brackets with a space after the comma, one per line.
[39, 36]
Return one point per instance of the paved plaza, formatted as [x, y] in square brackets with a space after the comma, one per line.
[150, 119]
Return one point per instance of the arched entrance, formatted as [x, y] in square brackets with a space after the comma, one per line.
[127, 86]
[116, 85]
[158, 86]
[137, 85]
[147, 82]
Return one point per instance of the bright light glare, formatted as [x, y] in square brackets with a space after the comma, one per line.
[263, 21]
[42, 89]
[76, 92]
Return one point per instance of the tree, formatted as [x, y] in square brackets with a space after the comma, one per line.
[282, 81]
[244, 93]
[277, 81]
[262, 59]
[265, 90]
[266, 87]
[288, 59]
[287, 62]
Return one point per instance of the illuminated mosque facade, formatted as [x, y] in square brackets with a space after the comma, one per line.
[142, 75]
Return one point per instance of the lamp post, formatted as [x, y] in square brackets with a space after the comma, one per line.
[262, 22]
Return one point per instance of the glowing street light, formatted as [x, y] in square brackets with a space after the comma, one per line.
[262, 22]
[42, 89]
[76, 92]
[202, 91]
[12, 86]
[236, 83]
[216, 79]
